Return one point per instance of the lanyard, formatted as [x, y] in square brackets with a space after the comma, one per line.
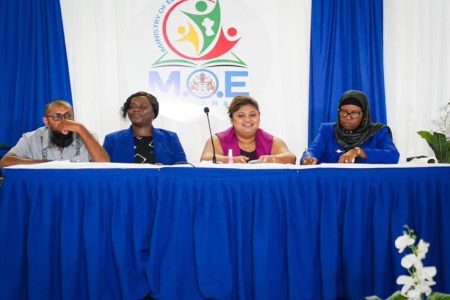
[77, 147]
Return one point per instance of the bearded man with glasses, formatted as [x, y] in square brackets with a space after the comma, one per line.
[61, 138]
[353, 138]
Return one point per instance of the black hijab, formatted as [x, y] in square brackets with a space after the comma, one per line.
[365, 130]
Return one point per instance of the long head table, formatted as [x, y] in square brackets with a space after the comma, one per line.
[109, 232]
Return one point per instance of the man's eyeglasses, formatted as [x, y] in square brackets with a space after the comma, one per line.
[352, 114]
[60, 116]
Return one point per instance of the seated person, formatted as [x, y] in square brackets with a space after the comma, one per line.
[246, 140]
[354, 138]
[142, 143]
[60, 139]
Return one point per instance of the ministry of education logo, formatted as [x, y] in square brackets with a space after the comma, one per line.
[192, 33]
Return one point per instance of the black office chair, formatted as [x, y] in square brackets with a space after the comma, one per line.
[3, 150]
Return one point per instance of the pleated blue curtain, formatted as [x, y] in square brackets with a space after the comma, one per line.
[33, 64]
[346, 53]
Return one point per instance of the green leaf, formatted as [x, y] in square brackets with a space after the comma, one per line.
[374, 297]
[439, 296]
[397, 296]
[426, 135]
[439, 144]
[446, 159]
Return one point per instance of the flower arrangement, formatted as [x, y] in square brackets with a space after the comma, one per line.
[417, 284]
[440, 141]
[420, 278]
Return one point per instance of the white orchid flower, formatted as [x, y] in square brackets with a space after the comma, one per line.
[402, 242]
[422, 249]
[421, 278]
[410, 260]
[423, 289]
[418, 265]
[406, 281]
[414, 295]
[426, 275]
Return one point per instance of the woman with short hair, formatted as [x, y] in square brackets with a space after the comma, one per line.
[143, 143]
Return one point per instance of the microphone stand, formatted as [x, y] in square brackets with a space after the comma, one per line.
[214, 159]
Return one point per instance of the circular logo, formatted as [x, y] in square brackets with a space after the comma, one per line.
[202, 83]
[193, 30]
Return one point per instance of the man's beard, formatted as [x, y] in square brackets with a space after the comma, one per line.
[60, 139]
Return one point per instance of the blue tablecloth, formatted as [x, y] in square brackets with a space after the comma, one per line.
[196, 233]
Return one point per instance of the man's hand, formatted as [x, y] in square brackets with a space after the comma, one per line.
[96, 151]
[66, 126]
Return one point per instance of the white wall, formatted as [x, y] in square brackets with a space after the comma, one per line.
[111, 49]
[417, 69]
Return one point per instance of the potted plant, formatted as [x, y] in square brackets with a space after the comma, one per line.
[416, 285]
[440, 141]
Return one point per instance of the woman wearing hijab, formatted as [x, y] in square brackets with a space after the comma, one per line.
[143, 143]
[354, 138]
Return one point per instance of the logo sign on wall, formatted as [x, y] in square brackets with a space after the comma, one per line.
[198, 59]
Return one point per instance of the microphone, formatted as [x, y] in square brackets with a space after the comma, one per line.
[206, 110]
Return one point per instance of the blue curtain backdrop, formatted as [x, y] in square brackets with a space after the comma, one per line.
[346, 53]
[33, 64]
